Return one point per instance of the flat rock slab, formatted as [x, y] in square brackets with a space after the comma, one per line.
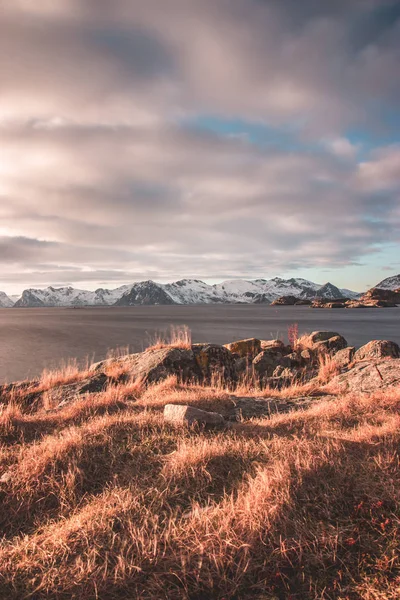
[60, 396]
[369, 376]
[183, 414]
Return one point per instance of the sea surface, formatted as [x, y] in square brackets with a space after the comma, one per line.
[32, 339]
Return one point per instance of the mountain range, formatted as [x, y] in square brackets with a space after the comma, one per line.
[186, 291]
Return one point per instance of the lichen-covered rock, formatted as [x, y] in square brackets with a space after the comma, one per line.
[212, 360]
[111, 363]
[183, 414]
[322, 336]
[344, 357]
[290, 360]
[245, 348]
[266, 362]
[154, 365]
[275, 345]
[325, 341]
[369, 376]
[59, 396]
[333, 345]
[378, 349]
[307, 356]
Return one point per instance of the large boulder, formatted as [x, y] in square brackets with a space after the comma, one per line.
[378, 349]
[248, 348]
[266, 362]
[213, 360]
[154, 365]
[344, 357]
[324, 341]
[276, 345]
[60, 395]
[369, 376]
[200, 362]
[182, 414]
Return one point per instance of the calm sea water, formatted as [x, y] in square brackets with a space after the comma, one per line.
[32, 339]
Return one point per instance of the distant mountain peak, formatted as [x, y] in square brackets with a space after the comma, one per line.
[183, 291]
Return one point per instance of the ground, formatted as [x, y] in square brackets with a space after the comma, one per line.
[101, 499]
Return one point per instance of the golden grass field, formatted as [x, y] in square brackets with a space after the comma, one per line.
[102, 500]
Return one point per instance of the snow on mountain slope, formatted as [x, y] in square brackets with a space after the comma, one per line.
[184, 291]
[239, 290]
[69, 296]
[390, 283]
[301, 288]
[329, 291]
[5, 301]
[192, 291]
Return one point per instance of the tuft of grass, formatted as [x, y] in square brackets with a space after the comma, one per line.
[178, 337]
[67, 372]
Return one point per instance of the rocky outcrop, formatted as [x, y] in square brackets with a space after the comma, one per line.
[214, 361]
[344, 357]
[378, 349]
[326, 341]
[245, 348]
[200, 362]
[268, 363]
[336, 303]
[369, 376]
[182, 414]
[379, 297]
[64, 394]
[285, 301]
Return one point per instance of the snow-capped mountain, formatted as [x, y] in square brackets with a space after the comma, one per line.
[329, 291]
[69, 296]
[184, 291]
[5, 301]
[145, 293]
[390, 283]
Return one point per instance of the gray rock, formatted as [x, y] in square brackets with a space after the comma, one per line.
[199, 363]
[213, 360]
[378, 349]
[322, 336]
[344, 357]
[61, 395]
[266, 362]
[325, 341]
[332, 345]
[183, 414]
[369, 376]
[278, 344]
[245, 348]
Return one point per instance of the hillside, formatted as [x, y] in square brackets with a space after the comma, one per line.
[296, 495]
[390, 283]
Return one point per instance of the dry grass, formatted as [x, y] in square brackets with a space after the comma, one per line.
[178, 337]
[68, 372]
[102, 500]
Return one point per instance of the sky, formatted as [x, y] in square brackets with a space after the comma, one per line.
[212, 139]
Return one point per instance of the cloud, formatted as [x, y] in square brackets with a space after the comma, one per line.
[102, 176]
